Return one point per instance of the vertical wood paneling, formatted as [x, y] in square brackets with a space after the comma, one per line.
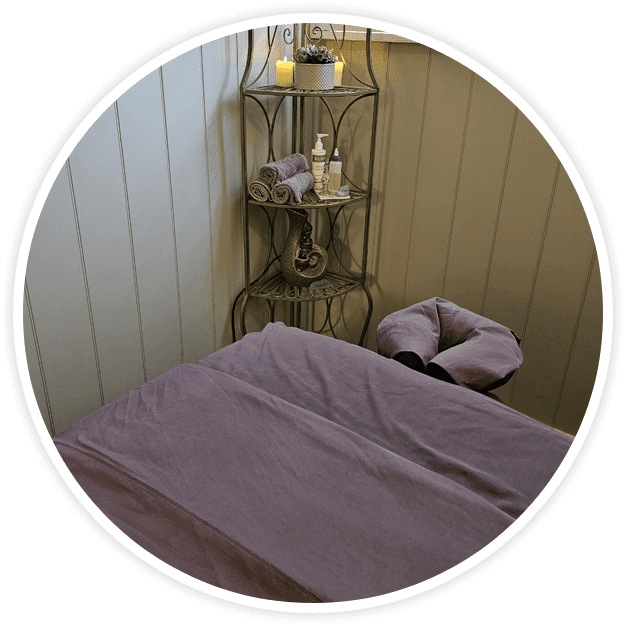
[493, 236]
[141, 171]
[557, 299]
[583, 360]
[221, 102]
[184, 114]
[484, 168]
[400, 152]
[60, 312]
[444, 131]
[98, 184]
[526, 203]
[145, 166]
[35, 365]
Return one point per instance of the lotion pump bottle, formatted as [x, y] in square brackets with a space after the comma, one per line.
[334, 173]
[318, 162]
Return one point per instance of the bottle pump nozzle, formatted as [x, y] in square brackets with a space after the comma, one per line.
[319, 145]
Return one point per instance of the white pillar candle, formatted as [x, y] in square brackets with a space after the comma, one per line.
[338, 71]
[284, 73]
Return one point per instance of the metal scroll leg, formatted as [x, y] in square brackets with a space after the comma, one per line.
[232, 314]
[369, 313]
[244, 303]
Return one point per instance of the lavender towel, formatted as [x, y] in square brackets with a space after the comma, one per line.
[290, 191]
[259, 190]
[443, 340]
[279, 171]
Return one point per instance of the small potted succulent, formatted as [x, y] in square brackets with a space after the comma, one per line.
[314, 69]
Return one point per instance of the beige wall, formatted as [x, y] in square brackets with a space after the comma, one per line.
[137, 256]
[472, 205]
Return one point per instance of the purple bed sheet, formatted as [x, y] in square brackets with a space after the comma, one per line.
[296, 467]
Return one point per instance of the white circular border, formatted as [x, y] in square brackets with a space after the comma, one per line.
[511, 92]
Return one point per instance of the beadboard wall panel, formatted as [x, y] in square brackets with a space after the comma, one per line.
[101, 206]
[222, 122]
[481, 183]
[472, 205]
[555, 304]
[399, 152]
[186, 141]
[524, 217]
[33, 357]
[142, 136]
[445, 125]
[121, 273]
[63, 360]
[579, 378]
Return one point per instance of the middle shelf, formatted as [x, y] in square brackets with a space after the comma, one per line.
[311, 201]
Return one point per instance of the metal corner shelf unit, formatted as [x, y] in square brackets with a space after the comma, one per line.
[270, 284]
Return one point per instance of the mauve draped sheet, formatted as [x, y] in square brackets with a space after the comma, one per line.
[296, 467]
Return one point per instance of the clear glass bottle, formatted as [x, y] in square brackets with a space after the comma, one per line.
[334, 173]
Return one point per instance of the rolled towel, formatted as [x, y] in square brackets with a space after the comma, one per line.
[259, 190]
[290, 191]
[273, 173]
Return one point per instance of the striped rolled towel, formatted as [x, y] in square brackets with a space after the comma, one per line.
[290, 191]
[259, 190]
[277, 172]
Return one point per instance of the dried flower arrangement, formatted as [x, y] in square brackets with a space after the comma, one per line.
[312, 54]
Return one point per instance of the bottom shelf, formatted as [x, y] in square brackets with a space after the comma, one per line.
[275, 287]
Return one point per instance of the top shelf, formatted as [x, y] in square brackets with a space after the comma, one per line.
[275, 90]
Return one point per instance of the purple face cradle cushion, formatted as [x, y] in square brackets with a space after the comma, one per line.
[439, 338]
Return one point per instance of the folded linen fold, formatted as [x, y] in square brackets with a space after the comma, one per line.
[259, 190]
[278, 171]
[291, 190]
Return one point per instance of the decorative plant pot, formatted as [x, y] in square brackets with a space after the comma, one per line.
[314, 76]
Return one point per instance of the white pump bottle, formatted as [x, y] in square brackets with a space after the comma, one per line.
[318, 162]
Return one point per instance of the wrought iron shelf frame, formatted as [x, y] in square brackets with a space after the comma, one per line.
[270, 285]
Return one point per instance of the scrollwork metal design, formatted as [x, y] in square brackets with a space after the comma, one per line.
[288, 36]
[302, 262]
[312, 36]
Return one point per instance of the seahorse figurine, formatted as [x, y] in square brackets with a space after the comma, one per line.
[301, 262]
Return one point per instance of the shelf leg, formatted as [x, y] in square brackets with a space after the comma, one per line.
[232, 314]
[369, 313]
[244, 303]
